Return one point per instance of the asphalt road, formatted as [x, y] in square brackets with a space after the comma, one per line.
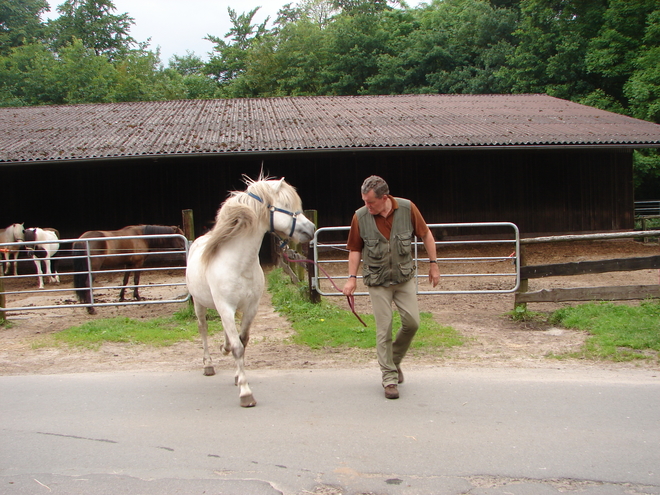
[453, 431]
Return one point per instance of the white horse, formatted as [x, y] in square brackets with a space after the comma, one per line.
[223, 269]
[49, 244]
[13, 233]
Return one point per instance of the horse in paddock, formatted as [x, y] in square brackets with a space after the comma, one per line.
[224, 273]
[13, 233]
[44, 250]
[126, 253]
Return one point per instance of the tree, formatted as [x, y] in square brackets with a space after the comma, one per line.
[551, 43]
[230, 58]
[451, 46]
[613, 54]
[93, 22]
[643, 87]
[20, 23]
[27, 75]
[187, 64]
[354, 42]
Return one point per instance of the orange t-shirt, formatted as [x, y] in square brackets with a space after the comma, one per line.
[384, 224]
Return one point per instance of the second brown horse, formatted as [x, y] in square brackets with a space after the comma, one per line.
[129, 253]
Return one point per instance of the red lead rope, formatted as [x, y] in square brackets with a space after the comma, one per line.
[350, 299]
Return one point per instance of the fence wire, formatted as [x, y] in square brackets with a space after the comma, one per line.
[20, 292]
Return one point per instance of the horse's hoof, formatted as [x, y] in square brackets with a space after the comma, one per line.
[91, 311]
[248, 401]
[209, 371]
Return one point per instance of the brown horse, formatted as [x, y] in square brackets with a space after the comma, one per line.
[126, 253]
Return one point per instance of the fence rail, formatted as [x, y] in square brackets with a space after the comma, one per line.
[647, 208]
[605, 293]
[487, 274]
[20, 293]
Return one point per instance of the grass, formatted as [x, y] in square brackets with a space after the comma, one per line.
[617, 332]
[157, 332]
[326, 325]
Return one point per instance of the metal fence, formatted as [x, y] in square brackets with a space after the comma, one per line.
[21, 293]
[647, 208]
[471, 260]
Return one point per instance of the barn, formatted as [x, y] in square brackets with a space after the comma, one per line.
[545, 164]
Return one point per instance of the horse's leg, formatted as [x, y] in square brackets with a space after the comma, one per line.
[16, 262]
[50, 265]
[123, 289]
[203, 327]
[136, 282]
[238, 350]
[37, 263]
[5, 255]
[244, 336]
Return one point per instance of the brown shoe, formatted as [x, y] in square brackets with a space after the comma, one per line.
[391, 392]
[398, 370]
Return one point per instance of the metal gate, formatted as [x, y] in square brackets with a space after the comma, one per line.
[21, 293]
[474, 258]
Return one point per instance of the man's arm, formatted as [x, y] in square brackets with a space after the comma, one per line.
[354, 258]
[434, 271]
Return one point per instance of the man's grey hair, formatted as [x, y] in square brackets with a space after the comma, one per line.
[377, 184]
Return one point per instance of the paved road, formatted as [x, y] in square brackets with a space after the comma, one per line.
[454, 431]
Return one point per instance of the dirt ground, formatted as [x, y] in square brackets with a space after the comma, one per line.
[492, 338]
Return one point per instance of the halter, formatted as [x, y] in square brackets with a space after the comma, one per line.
[274, 209]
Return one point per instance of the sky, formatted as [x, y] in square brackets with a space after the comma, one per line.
[180, 25]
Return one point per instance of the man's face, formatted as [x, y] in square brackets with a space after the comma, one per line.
[375, 205]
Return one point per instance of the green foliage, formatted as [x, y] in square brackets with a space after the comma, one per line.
[326, 325]
[94, 24]
[603, 53]
[522, 314]
[157, 332]
[617, 332]
[20, 23]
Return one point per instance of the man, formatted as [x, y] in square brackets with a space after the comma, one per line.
[381, 235]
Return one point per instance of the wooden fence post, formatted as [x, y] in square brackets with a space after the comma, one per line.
[188, 224]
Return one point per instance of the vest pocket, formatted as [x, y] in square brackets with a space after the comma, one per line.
[406, 268]
[373, 274]
[403, 244]
[375, 249]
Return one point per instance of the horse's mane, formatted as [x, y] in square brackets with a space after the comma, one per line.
[240, 213]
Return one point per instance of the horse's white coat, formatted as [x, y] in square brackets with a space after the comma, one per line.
[46, 237]
[231, 280]
[13, 233]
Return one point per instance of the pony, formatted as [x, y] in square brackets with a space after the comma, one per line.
[13, 233]
[47, 245]
[130, 254]
[223, 271]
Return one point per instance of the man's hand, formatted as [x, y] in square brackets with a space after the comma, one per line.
[434, 274]
[349, 286]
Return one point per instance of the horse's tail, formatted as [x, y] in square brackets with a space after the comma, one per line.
[81, 275]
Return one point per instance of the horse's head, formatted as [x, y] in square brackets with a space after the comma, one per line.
[283, 202]
[18, 230]
[29, 235]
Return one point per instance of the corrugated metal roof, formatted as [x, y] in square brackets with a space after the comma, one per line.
[190, 127]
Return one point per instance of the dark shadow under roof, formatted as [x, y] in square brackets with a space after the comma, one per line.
[321, 123]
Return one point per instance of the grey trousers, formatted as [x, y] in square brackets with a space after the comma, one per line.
[391, 353]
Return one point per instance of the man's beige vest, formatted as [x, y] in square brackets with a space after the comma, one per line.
[387, 261]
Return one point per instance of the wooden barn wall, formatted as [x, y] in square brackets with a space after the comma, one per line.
[541, 191]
